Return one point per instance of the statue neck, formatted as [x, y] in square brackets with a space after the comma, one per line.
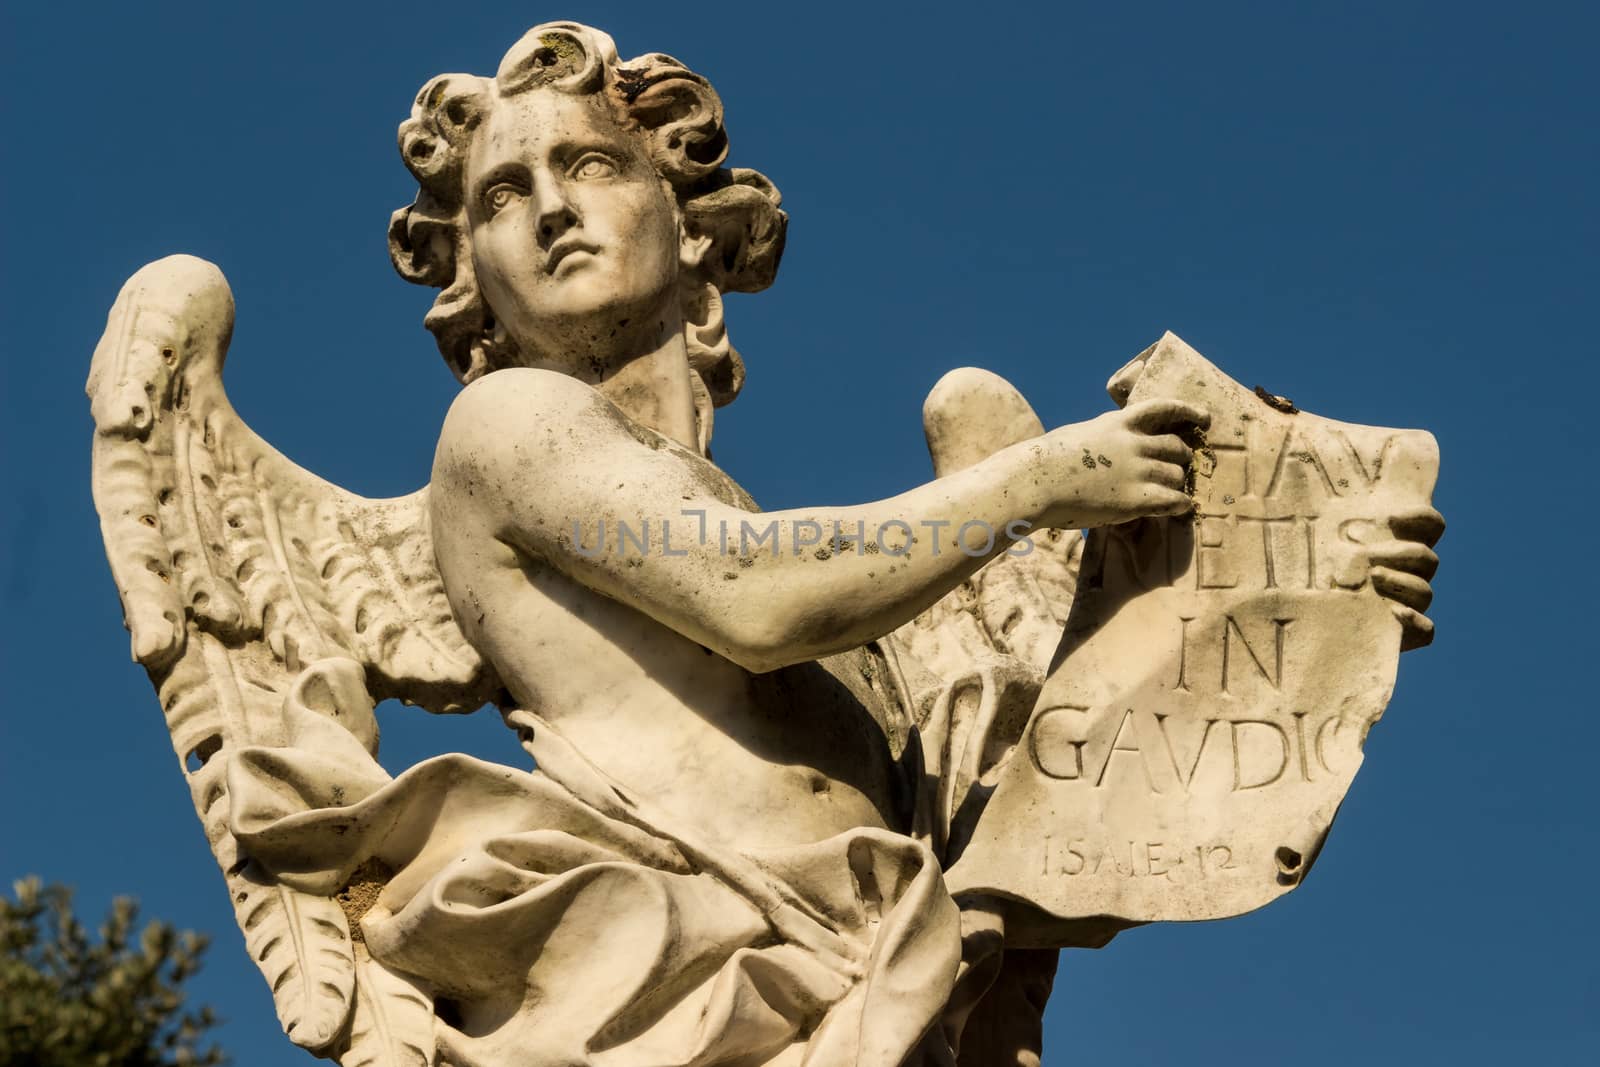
[647, 377]
[654, 390]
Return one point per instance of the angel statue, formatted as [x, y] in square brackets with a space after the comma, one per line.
[827, 786]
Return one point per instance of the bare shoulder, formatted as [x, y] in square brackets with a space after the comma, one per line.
[518, 397]
[528, 435]
[516, 415]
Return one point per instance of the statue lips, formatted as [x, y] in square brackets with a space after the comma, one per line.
[564, 248]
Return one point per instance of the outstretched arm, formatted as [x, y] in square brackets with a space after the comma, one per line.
[562, 471]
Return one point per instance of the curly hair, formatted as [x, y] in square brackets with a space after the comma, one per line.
[680, 118]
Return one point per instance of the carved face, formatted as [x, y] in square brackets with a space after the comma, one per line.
[575, 237]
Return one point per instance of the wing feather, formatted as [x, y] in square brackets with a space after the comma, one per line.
[972, 663]
[392, 1025]
[236, 568]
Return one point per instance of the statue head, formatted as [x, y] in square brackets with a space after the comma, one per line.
[573, 191]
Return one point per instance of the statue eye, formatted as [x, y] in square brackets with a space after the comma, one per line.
[500, 196]
[592, 166]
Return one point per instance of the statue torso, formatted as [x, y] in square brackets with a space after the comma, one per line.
[757, 761]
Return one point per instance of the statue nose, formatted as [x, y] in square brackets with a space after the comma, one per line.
[556, 215]
[555, 223]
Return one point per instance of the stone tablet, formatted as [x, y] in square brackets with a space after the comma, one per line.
[1206, 710]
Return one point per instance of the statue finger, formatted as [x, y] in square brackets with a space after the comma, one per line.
[1422, 524]
[1402, 588]
[1412, 557]
[1166, 416]
[1168, 447]
[1416, 629]
[1169, 475]
[1161, 500]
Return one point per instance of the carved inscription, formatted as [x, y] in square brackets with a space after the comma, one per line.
[1218, 675]
[1083, 856]
[1300, 525]
[1165, 753]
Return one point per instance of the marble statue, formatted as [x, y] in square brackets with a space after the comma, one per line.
[825, 786]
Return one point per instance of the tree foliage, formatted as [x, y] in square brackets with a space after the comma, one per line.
[68, 1000]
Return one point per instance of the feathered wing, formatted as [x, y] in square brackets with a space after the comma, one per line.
[972, 664]
[237, 569]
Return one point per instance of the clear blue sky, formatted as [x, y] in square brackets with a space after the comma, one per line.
[1383, 210]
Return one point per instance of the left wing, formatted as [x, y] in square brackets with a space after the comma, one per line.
[238, 571]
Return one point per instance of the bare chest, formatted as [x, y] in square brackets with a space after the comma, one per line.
[673, 722]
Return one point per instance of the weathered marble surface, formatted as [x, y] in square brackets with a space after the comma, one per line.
[808, 790]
